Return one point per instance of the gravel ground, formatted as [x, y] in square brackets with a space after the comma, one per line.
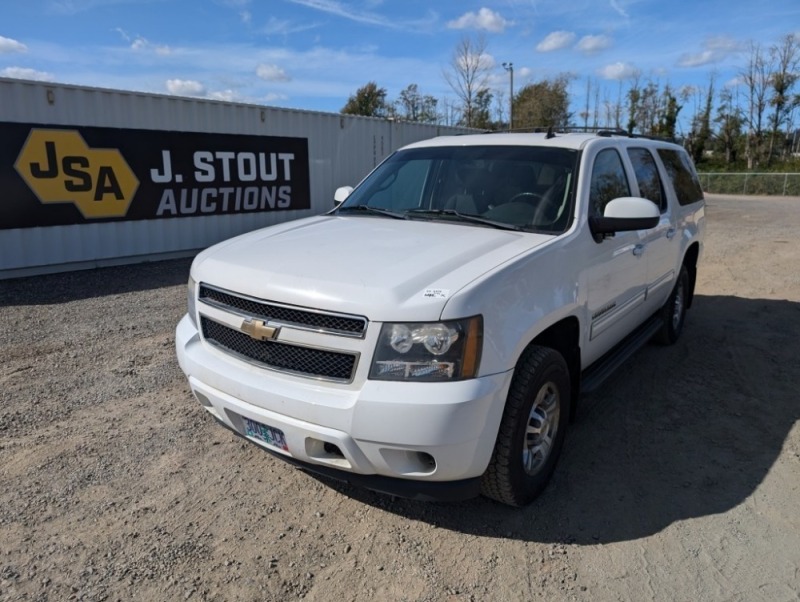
[680, 480]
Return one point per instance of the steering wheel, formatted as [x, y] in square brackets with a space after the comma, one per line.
[525, 196]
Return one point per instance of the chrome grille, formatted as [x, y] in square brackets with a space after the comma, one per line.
[326, 322]
[304, 361]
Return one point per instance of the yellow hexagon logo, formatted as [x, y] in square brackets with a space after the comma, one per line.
[59, 167]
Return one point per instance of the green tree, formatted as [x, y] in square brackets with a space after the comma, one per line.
[369, 100]
[413, 106]
[701, 127]
[634, 98]
[543, 104]
[482, 111]
[668, 116]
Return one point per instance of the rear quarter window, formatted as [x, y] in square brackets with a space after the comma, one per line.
[682, 175]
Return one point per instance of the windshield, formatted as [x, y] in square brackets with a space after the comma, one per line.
[522, 187]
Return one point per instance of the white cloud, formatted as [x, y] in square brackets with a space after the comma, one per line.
[555, 40]
[523, 73]
[734, 82]
[618, 71]
[697, 60]
[593, 44]
[246, 16]
[340, 9]
[481, 61]
[272, 97]
[25, 73]
[717, 49]
[227, 95]
[7, 46]
[485, 18]
[272, 73]
[615, 4]
[141, 44]
[185, 87]
[283, 27]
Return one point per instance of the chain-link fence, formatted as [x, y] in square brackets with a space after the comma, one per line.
[780, 184]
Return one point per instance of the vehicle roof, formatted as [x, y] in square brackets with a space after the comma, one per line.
[573, 140]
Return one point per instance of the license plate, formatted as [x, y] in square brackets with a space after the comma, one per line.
[268, 434]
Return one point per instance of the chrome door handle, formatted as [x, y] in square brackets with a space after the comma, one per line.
[671, 232]
[638, 250]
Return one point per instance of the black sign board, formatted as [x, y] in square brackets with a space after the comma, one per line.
[60, 175]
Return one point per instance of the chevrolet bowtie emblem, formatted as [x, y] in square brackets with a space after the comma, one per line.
[259, 330]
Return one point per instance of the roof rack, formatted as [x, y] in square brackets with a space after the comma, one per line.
[552, 131]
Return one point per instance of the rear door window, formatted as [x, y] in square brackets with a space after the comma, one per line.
[650, 187]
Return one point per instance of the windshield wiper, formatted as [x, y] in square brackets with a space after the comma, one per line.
[467, 217]
[373, 210]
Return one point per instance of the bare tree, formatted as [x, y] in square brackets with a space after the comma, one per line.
[468, 75]
[585, 114]
[729, 120]
[450, 114]
[608, 106]
[785, 57]
[756, 77]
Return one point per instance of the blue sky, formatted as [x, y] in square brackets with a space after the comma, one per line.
[312, 54]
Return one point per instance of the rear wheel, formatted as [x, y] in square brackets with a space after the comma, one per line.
[673, 314]
[532, 429]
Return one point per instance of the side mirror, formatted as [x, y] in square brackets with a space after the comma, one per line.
[624, 215]
[341, 194]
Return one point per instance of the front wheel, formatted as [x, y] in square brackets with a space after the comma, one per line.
[532, 429]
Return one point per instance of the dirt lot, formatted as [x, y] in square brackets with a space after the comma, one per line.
[680, 480]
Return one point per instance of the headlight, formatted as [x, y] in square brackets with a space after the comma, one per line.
[191, 297]
[438, 351]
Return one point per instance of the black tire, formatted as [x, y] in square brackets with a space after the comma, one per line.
[673, 314]
[515, 475]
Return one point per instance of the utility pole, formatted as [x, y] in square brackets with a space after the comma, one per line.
[510, 68]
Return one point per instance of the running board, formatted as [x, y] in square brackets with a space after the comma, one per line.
[597, 373]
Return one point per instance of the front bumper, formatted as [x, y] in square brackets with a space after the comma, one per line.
[430, 440]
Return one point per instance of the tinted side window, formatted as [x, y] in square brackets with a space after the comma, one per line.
[644, 165]
[679, 167]
[608, 181]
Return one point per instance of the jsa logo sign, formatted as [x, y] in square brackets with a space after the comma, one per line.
[59, 167]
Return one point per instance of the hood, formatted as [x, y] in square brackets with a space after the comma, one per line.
[377, 267]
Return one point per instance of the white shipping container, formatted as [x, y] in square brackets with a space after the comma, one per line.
[342, 149]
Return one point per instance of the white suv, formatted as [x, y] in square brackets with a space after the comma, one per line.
[430, 336]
